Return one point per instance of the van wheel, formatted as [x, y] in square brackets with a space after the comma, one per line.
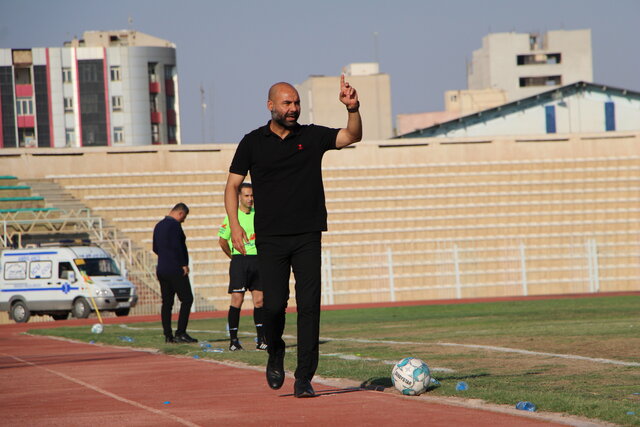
[122, 312]
[19, 312]
[62, 316]
[81, 309]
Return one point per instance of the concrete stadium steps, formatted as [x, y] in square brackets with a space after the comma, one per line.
[485, 209]
[482, 168]
[166, 199]
[170, 187]
[625, 237]
[28, 202]
[147, 223]
[142, 177]
[158, 210]
[8, 191]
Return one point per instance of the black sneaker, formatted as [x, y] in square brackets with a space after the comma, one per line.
[261, 344]
[170, 339]
[235, 346]
[185, 338]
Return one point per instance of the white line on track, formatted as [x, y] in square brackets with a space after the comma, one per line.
[448, 344]
[106, 393]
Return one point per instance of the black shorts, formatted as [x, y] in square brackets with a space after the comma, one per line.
[243, 274]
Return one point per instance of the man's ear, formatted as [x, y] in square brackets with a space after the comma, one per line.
[270, 105]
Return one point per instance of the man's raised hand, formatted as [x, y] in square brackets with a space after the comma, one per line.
[348, 95]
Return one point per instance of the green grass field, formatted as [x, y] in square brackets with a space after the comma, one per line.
[562, 361]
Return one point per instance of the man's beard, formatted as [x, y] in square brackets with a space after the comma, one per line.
[281, 119]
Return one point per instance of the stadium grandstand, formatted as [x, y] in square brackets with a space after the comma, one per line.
[409, 219]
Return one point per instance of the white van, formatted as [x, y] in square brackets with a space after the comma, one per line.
[60, 280]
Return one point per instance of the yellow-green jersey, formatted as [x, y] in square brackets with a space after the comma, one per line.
[246, 222]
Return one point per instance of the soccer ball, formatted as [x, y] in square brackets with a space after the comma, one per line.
[97, 328]
[411, 376]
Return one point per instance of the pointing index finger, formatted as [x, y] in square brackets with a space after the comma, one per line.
[342, 81]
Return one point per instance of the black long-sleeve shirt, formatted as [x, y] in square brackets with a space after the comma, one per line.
[169, 243]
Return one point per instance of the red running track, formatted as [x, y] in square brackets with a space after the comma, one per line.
[52, 382]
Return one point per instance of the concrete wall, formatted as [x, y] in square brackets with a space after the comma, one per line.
[41, 162]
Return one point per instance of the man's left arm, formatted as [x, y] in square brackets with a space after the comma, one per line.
[353, 132]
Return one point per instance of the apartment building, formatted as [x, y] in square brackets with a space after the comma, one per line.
[110, 88]
[524, 64]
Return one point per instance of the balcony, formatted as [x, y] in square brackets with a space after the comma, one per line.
[26, 121]
[156, 117]
[154, 87]
[24, 91]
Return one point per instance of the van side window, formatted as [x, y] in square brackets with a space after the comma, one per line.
[15, 270]
[40, 269]
[62, 267]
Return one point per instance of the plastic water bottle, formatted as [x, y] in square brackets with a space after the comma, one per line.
[214, 350]
[524, 405]
[126, 339]
[204, 344]
[434, 382]
[462, 386]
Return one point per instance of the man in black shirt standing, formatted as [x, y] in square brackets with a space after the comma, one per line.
[169, 243]
[285, 162]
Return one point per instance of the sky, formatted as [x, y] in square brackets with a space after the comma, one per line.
[236, 49]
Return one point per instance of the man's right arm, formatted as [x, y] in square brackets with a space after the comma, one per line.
[238, 236]
[224, 245]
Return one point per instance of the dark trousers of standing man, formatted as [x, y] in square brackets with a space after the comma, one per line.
[170, 286]
[277, 256]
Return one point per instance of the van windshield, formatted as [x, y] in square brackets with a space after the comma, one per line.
[97, 266]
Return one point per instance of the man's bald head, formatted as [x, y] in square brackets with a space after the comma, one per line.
[276, 88]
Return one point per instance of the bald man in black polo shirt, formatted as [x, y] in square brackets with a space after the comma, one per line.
[285, 160]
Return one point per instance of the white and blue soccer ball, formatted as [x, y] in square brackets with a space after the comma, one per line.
[411, 376]
[97, 328]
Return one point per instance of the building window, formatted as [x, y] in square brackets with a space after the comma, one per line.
[153, 99]
[155, 133]
[115, 74]
[609, 116]
[118, 135]
[68, 105]
[550, 116]
[69, 137]
[169, 71]
[66, 75]
[541, 81]
[540, 58]
[172, 131]
[153, 76]
[24, 107]
[23, 76]
[171, 102]
[116, 103]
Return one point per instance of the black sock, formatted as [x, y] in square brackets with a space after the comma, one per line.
[234, 321]
[258, 319]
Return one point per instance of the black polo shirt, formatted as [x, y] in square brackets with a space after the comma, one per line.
[286, 177]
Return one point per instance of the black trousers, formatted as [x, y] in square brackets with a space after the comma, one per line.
[170, 286]
[277, 257]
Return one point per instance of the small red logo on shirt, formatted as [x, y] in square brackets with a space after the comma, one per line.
[300, 147]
